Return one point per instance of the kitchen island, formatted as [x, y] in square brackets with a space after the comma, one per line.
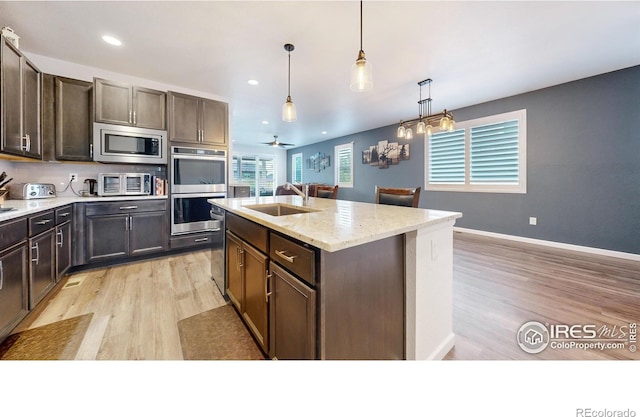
[382, 277]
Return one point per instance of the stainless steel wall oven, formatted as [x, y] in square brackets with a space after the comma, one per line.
[197, 175]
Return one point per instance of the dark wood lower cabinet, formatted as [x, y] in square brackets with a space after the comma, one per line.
[14, 304]
[247, 286]
[256, 298]
[107, 237]
[292, 316]
[63, 249]
[42, 273]
[147, 232]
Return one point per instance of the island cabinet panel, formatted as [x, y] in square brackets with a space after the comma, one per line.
[256, 297]
[362, 301]
[247, 270]
[292, 316]
[234, 270]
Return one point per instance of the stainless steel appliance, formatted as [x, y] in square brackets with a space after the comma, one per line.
[124, 184]
[191, 213]
[198, 170]
[129, 145]
[217, 253]
[31, 190]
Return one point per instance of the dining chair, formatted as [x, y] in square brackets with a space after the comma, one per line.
[409, 197]
[326, 191]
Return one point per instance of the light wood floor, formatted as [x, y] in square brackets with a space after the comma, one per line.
[498, 285]
[136, 307]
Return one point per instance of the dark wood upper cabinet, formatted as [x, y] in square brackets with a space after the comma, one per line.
[67, 118]
[20, 86]
[197, 120]
[124, 104]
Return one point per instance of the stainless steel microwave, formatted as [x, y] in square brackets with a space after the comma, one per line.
[129, 145]
[124, 184]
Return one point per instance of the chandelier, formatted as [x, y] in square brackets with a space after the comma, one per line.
[424, 123]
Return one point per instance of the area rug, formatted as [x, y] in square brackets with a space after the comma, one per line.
[217, 334]
[56, 341]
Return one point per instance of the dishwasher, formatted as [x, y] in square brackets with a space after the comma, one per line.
[217, 252]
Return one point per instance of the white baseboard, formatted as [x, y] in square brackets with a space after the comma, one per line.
[549, 243]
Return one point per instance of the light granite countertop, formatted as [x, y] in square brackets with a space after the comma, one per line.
[337, 224]
[26, 207]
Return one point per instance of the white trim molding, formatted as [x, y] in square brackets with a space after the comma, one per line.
[552, 244]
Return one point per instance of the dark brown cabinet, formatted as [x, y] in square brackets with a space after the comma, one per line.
[14, 304]
[63, 216]
[20, 87]
[247, 286]
[125, 228]
[42, 246]
[67, 118]
[197, 120]
[124, 104]
[292, 316]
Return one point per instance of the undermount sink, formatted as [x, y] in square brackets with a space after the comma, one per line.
[279, 209]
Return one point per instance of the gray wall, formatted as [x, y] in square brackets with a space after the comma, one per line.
[583, 157]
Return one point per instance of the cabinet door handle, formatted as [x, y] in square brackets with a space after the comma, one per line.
[60, 238]
[281, 253]
[64, 214]
[91, 150]
[128, 207]
[130, 119]
[45, 221]
[134, 118]
[37, 248]
[239, 253]
[202, 239]
[1, 276]
[266, 286]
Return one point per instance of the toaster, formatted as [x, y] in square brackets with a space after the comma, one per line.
[31, 190]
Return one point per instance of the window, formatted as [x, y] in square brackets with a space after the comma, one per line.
[481, 155]
[344, 165]
[258, 172]
[296, 168]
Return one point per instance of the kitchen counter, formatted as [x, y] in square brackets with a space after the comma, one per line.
[350, 235]
[338, 224]
[26, 207]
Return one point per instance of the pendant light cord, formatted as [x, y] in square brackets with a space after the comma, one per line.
[289, 76]
[361, 26]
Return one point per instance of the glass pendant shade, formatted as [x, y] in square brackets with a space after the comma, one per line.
[401, 132]
[289, 111]
[452, 126]
[361, 74]
[444, 123]
[420, 128]
[409, 134]
[429, 130]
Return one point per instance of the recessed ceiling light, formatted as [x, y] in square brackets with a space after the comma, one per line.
[111, 40]
[265, 122]
[324, 132]
[253, 82]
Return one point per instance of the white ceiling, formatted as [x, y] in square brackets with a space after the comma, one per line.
[474, 51]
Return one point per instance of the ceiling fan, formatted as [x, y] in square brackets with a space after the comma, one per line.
[277, 144]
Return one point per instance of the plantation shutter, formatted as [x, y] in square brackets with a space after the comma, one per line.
[447, 158]
[344, 165]
[494, 153]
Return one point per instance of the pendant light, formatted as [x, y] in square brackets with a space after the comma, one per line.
[424, 122]
[361, 74]
[288, 108]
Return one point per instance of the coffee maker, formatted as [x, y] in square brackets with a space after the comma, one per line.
[91, 187]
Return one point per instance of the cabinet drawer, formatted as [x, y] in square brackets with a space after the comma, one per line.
[293, 256]
[200, 239]
[127, 206]
[251, 232]
[12, 232]
[41, 222]
[64, 214]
